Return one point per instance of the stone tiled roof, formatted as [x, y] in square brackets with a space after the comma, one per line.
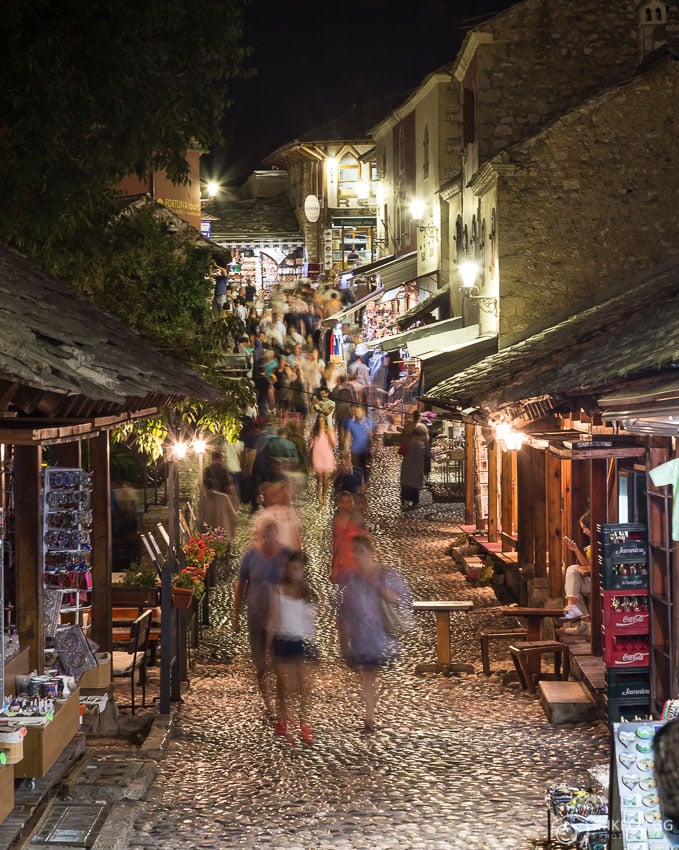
[355, 124]
[62, 355]
[257, 217]
[632, 333]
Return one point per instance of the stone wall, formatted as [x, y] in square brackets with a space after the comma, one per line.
[592, 202]
[548, 55]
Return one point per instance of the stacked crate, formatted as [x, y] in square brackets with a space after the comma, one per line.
[623, 563]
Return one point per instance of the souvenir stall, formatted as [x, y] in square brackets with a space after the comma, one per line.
[55, 540]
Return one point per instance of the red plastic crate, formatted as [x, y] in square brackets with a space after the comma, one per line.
[617, 622]
[621, 651]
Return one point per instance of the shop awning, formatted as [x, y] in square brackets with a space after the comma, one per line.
[585, 358]
[424, 308]
[393, 273]
[463, 348]
[432, 331]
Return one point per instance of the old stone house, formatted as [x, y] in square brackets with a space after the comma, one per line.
[589, 199]
[517, 74]
[332, 187]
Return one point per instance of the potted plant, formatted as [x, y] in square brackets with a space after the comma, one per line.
[139, 586]
[199, 555]
[184, 586]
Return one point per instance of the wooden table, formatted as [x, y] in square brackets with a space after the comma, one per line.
[533, 618]
[443, 609]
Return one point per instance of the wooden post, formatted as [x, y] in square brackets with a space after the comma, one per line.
[469, 513]
[493, 491]
[599, 514]
[540, 512]
[99, 453]
[29, 553]
[525, 507]
[508, 497]
[553, 485]
[68, 455]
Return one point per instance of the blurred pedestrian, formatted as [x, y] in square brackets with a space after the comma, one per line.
[413, 464]
[278, 508]
[367, 645]
[291, 641]
[220, 502]
[358, 440]
[322, 445]
[323, 405]
[260, 569]
[346, 524]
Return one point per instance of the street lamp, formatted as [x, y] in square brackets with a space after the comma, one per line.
[469, 272]
[417, 210]
[212, 188]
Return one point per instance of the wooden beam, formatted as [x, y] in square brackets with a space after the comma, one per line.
[508, 499]
[540, 512]
[101, 558]
[493, 491]
[469, 513]
[593, 454]
[599, 513]
[526, 517]
[553, 487]
[29, 553]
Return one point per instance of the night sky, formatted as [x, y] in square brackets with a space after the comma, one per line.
[316, 61]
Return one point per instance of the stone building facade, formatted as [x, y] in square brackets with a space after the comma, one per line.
[590, 200]
[519, 73]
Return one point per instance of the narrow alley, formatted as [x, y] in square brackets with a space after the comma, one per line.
[457, 762]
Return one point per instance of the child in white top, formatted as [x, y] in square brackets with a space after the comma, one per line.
[291, 640]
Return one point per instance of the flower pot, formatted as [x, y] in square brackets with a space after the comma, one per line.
[182, 597]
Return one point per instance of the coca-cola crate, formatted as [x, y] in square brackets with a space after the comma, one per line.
[620, 621]
[632, 684]
[616, 575]
[625, 651]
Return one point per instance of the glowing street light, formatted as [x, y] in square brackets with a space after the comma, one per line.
[212, 188]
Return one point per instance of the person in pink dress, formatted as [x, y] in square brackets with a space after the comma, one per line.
[322, 444]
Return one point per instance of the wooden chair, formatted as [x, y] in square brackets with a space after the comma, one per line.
[126, 664]
[527, 658]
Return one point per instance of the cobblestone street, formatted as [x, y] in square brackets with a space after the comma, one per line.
[456, 762]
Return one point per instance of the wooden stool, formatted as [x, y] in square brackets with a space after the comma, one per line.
[486, 637]
[527, 658]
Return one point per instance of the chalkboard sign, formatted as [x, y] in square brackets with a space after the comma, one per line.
[636, 822]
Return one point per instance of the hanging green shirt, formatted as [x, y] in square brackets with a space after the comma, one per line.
[668, 473]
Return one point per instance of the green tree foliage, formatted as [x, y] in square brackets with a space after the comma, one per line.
[91, 92]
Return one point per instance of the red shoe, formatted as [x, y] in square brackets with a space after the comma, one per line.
[306, 735]
[282, 730]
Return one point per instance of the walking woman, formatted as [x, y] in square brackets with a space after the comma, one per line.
[291, 640]
[322, 444]
[367, 645]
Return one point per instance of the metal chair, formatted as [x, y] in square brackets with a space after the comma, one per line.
[126, 664]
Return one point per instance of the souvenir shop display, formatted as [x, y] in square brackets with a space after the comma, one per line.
[67, 565]
[576, 817]
[636, 820]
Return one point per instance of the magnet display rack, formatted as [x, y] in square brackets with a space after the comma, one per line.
[67, 525]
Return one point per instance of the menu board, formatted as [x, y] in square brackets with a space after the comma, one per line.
[636, 819]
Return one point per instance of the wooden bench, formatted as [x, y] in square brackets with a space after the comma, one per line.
[122, 619]
[527, 658]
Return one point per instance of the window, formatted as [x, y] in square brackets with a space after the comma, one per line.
[425, 152]
[349, 173]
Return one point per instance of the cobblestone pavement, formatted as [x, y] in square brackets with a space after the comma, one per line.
[456, 762]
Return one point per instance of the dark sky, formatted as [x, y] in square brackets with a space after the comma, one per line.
[317, 60]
